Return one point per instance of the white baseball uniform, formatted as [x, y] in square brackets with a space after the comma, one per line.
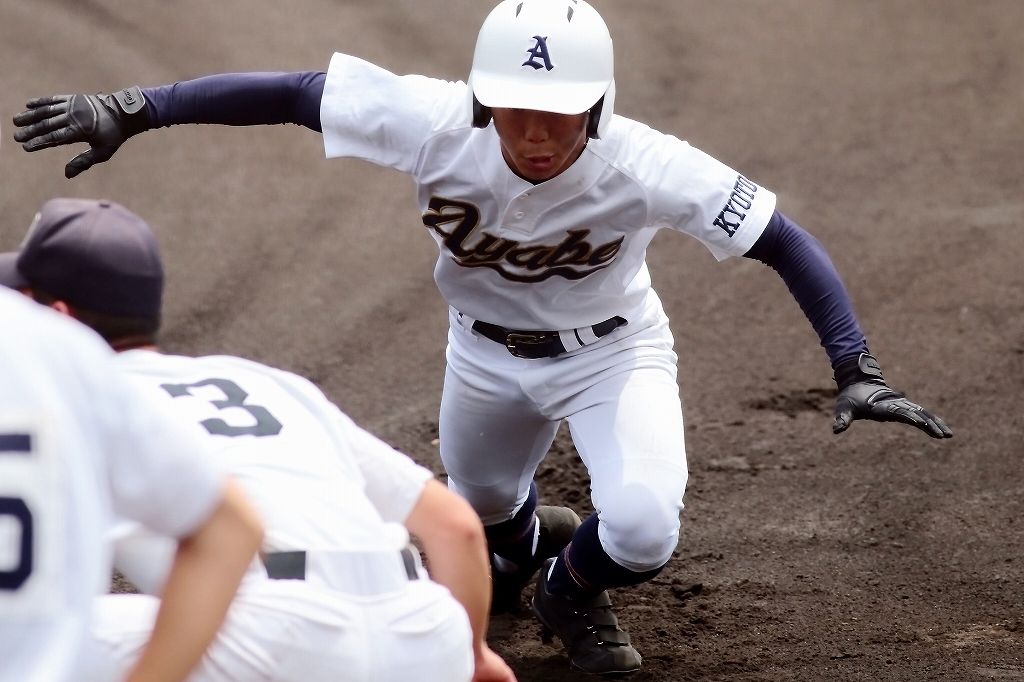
[562, 255]
[77, 446]
[323, 487]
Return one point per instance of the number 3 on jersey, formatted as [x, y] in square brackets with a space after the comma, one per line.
[266, 424]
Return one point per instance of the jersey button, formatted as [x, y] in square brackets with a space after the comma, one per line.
[520, 215]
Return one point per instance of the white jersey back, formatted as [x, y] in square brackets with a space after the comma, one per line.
[77, 446]
[318, 481]
[569, 252]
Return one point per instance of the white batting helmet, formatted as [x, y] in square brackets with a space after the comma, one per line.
[546, 55]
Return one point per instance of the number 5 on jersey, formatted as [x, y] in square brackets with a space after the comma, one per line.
[266, 424]
[32, 532]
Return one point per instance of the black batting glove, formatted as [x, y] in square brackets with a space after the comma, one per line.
[103, 121]
[863, 394]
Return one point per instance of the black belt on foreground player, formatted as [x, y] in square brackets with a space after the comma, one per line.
[533, 345]
[359, 573]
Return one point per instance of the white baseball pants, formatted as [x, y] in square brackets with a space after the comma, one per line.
[290, 631]
[499, 415]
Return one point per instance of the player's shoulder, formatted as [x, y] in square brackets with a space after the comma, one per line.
[630, 143]
[350, 67]
[48, 333]
[19, 313]
[13, 305]
[235, 363]
[444, 101]
[655, 160]
[162, 366]
[155, 362]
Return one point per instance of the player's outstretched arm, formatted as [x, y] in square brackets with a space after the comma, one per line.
[453, 540]
[807, 270]
[207, 568]
[105, 122]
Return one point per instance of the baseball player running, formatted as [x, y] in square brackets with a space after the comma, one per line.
[77, 446]
[346, 596]
[542, 203]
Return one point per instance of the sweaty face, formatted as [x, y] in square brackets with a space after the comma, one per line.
[538, 145]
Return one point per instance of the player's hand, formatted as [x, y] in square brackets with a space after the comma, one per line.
[863, 394]
[103, 121]
[491, 668]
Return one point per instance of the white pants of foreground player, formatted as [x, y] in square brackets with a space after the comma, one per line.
[287, 631]
[499, 415]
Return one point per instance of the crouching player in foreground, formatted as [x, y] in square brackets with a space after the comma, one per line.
[77, 446]
[338, 594]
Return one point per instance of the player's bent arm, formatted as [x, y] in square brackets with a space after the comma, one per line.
[105, 122]
[207, 569]
[453, 540]
[811, 277]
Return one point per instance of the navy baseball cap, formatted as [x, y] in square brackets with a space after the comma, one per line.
[96, 255]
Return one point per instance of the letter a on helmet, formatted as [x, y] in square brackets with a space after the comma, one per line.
[546, 55]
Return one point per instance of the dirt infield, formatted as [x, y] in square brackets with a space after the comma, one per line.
[891, 129]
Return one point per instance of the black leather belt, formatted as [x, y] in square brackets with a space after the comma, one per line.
[292, 565]
[533, 345]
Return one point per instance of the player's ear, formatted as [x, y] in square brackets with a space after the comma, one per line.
[62, 308]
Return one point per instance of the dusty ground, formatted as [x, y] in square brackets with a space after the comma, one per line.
[893, 130]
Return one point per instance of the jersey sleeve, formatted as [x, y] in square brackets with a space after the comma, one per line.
[372, 114]
[394, 482]
[143, 557]
[161, 474]
[689, 191]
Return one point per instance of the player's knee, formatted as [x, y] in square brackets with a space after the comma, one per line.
[491, 503]
[639, 532]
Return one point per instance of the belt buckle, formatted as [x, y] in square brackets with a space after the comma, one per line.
[513, 340]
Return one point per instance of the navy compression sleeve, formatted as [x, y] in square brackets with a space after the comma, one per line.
[239, 99]
[806, 269]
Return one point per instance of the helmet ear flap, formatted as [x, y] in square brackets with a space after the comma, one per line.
[594, 119]
[481, 114]
[601, 114]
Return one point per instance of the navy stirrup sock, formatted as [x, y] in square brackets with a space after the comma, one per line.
[513, 540]
[584, 569]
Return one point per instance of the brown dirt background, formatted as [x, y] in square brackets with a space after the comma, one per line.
[891, 129]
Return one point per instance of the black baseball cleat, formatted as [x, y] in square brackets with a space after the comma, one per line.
[588, 629]
[557, 524]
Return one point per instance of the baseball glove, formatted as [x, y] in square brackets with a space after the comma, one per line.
[103, 121]
[863, 394]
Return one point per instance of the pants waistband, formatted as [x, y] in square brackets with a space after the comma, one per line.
[533, 345]
[362, 574]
